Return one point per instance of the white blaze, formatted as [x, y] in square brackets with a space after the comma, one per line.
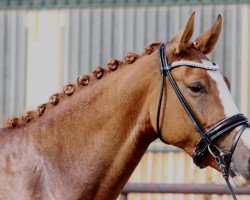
[227, 102]
[224, 94]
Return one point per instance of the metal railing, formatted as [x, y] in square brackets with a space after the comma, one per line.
[163, 188]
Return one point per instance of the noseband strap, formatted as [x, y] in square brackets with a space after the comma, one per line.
[225, 126]
[205, 144]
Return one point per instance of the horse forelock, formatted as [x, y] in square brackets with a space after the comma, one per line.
[82, 81]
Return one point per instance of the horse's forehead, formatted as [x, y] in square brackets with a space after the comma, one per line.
[218, 88]
[224, 94]
[199, 73]
[194, 55]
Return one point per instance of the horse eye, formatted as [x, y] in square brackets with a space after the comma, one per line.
[197, 89]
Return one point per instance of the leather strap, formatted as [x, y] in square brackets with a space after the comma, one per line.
[226, 125]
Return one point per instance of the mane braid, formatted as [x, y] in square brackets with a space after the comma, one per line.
[82, 81]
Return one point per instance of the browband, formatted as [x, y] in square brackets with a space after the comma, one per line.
[205, 65]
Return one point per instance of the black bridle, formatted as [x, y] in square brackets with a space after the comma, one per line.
[205, 144]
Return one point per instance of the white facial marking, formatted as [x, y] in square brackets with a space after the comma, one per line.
[228, 103]
[230, 108]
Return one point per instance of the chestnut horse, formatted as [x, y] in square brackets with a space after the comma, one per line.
[87, 140]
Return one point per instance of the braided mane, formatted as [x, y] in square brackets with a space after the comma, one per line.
[82, 81]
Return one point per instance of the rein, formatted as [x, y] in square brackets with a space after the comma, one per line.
[205, 144]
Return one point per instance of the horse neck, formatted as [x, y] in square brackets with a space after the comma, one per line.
[104, 131]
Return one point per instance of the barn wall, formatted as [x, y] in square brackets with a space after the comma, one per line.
[12, 62]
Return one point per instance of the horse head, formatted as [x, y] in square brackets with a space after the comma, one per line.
[216, 133]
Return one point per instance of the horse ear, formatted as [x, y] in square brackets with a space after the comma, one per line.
[181, 40]
[206, 42]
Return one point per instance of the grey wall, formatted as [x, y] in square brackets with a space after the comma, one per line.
[12, 62]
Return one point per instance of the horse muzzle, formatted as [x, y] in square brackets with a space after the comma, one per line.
[239, 170]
